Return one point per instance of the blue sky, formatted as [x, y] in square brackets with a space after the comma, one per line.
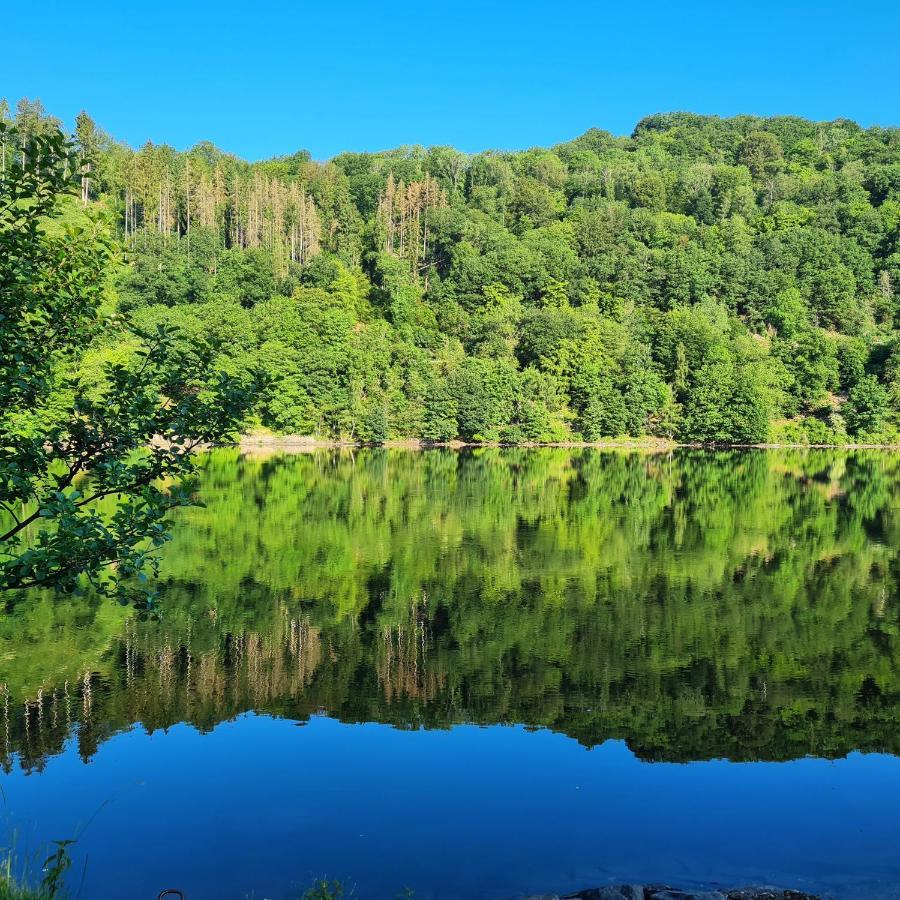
[271, 77]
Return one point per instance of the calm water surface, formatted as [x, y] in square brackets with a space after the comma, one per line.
[481, 673]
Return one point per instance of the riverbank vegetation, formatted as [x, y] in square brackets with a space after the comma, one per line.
[704, 279]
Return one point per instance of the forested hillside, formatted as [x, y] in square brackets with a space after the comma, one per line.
[704, 279]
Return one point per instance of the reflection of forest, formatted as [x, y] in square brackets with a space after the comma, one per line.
[695, 604]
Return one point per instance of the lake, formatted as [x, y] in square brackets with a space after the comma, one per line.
[484, 673]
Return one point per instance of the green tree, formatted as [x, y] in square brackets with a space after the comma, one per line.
[87, 479]
[87, 139]
[726, 404]
[866, 407]
[760, 152]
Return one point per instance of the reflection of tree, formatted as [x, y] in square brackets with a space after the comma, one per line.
[695, 604]
[401, 658]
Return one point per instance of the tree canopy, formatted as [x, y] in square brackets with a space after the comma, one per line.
[704, 279]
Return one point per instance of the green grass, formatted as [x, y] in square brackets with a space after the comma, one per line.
[50, 888]
[9, 890]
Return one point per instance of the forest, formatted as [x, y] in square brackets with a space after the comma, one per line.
[732, 280]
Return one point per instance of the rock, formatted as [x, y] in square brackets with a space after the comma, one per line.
[673, 894]
[612, 892]
[766, 893]
[665, 892]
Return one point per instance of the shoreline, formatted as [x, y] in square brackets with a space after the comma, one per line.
[667, 892]
[307, 443]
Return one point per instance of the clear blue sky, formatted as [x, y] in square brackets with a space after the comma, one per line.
[273, 76]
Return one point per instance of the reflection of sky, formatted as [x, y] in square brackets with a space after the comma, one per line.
[265, 806]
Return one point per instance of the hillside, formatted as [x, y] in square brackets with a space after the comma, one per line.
[704, 279]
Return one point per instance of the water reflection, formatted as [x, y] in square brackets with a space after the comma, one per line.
[695, 604]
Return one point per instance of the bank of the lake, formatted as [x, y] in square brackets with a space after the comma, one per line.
[298, 442]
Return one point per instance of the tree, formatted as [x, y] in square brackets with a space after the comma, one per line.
[87, 479]
[87, 138]
[606, 414]
[484, 393]
[866, 407]
[759, 151]
[727, 403]
[811, 359]
[533, 204]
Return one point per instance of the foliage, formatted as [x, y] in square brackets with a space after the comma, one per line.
[52, 884]
[64, 445]
[703, 279]
[867, 407]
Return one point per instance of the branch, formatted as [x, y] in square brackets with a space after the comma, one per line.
[24, 523]
[20, 525]
[143, 481]
[10, 511]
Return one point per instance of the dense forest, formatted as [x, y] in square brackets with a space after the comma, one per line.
[697, 604]
[705, 279]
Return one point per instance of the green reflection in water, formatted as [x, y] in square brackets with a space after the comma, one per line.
[696, 604]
